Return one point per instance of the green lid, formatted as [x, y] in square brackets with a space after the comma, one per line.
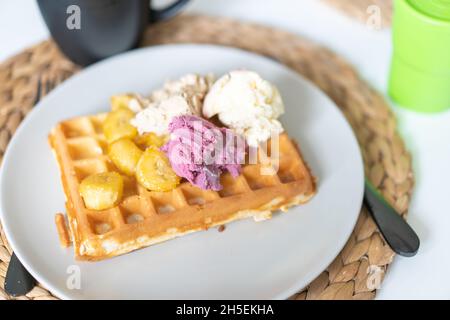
[439, 9]
[420, 67]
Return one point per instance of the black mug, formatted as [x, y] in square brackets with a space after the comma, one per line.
[87, 31]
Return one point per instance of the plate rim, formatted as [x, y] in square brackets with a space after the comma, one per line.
[296, 285]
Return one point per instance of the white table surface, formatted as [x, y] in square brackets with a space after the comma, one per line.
[427, 136]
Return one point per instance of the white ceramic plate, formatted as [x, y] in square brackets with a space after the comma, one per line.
[269, 260]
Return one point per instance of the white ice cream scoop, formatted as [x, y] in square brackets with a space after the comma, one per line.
[246, 103]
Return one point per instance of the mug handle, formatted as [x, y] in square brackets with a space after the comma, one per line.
[161, 14]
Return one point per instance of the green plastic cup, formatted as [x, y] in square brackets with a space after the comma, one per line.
[420, 67]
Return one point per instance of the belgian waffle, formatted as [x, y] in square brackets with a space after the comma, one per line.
[143, 217]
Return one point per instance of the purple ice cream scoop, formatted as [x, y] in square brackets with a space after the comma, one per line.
[200, 151]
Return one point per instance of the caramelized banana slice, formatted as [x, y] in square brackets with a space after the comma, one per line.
[154, 172]
[117, 125]
[150, 139]
[125, 155]
[102, 191]
[120, 101]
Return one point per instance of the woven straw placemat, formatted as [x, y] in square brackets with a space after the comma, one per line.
[359, 269]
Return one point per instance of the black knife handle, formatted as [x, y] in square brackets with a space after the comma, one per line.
[18, 280]
[395, 230]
